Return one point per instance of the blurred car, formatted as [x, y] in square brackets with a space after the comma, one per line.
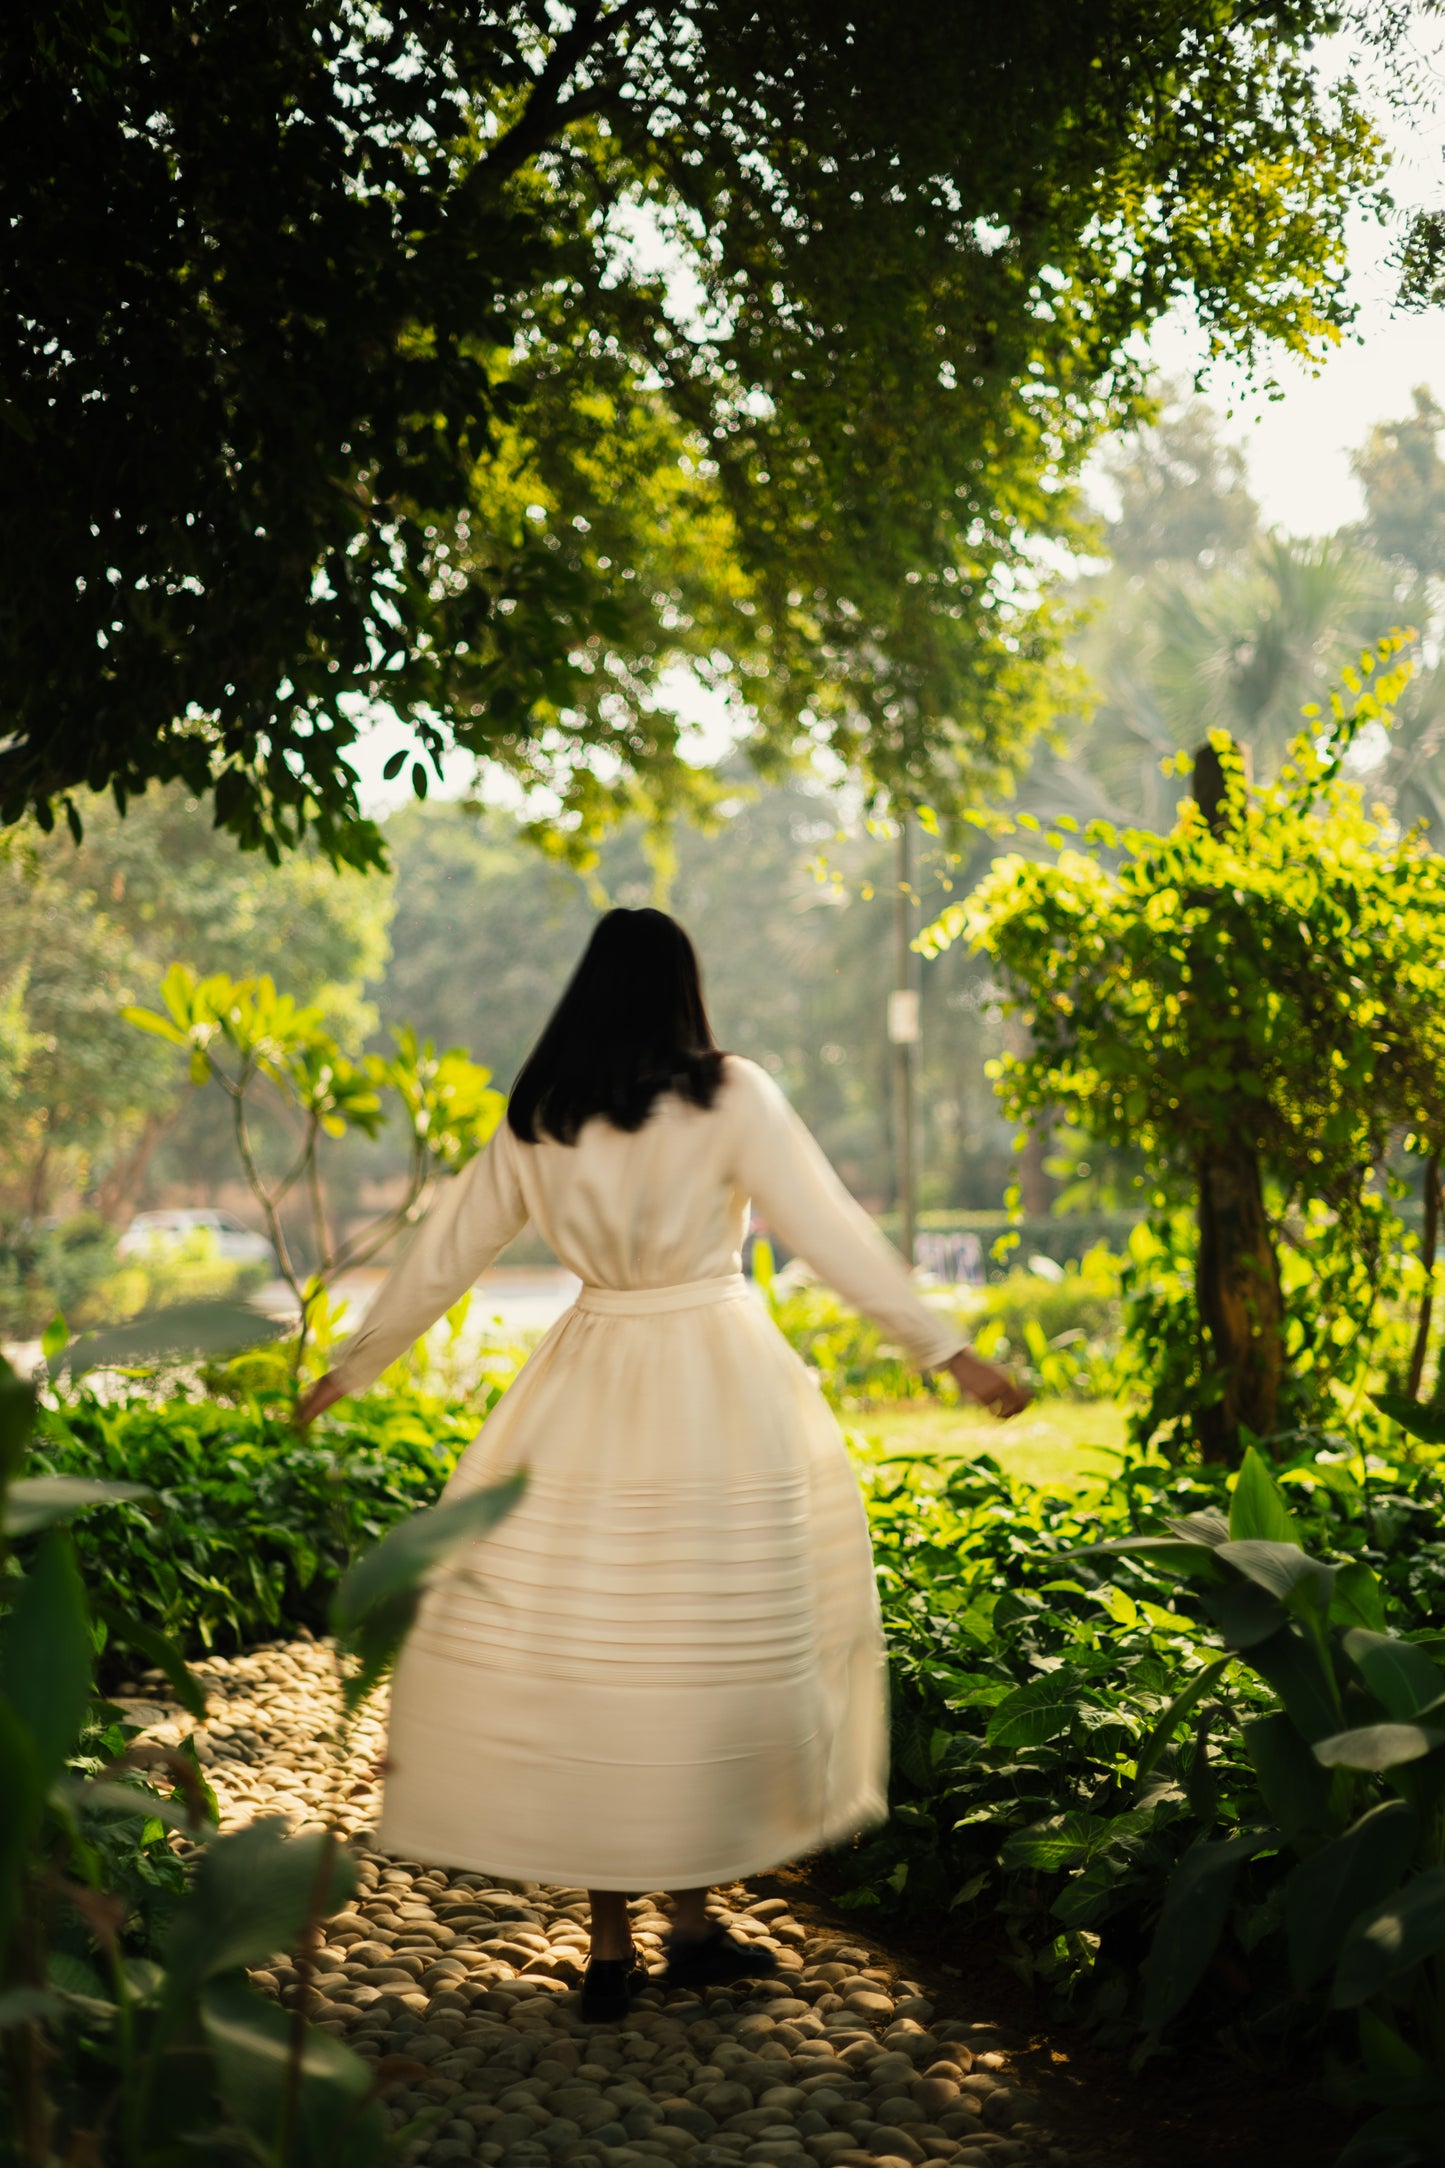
[235, 1242]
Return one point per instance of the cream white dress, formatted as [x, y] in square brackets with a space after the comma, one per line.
[665, 1668]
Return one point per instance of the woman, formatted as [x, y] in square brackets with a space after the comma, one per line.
[665, 1668]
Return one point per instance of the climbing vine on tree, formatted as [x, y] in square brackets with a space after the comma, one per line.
[1254, 1001]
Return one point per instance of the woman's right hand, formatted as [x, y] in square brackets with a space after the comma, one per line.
[1001, 1394]
[324, 1394]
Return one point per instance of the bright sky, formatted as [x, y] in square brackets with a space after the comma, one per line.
[1297, 444]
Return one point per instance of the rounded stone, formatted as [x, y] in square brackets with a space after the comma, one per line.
[889, 2139]
[509, 2128]
[899, 2108]
[934, 2095]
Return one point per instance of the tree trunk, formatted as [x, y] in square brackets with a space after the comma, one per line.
[115, 1196]
[1429, 1245]
[1241, 1303]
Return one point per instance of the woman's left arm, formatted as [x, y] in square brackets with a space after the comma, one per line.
[476, 1216]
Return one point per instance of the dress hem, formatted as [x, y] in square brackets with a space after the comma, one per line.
[644, 1881]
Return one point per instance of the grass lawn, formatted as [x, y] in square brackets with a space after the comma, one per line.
[1057, 1445]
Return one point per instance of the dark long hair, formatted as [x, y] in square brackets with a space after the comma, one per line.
[630, 1026]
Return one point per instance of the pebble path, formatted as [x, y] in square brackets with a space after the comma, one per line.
[835, 2062]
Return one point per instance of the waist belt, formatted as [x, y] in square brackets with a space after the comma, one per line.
[684, 1295]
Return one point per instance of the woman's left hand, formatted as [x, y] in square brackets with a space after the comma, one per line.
[324, 1394]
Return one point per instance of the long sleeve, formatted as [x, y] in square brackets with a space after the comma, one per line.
[476, 1215]
[781, 1167]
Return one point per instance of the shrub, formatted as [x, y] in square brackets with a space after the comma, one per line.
[72, 1268]
[251, 1525]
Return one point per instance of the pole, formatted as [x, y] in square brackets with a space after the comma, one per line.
[904, 1032]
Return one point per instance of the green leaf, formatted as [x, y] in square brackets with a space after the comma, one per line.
[1257, 1508]
[133, 1801]
[45, 1654]
[38, 1501]
[1284, 1570]
[378, 1599]
[1043, 1709]
[55, 1336]
[1378, 1747]
[160, 1027]
[251, 1896]
[1186, 1558]
[1291, 1664]
[1064, 1840]
[1400, 1676]
[17, 1419]
[1208, 1527]
[1388, 2058]
[1196, 1906]
[250, 2039]
[134, 1633]
[1327, 1891]
[185, 1328]
[1396, 2138]
[1295, 1787]
[1181, 1706]
[28, 2006]
[23, 1791]
[1245, 1613]
[1425, 1423]
[1390, 1938]
[1358, 1599]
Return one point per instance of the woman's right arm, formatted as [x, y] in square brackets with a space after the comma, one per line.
[475, 1216]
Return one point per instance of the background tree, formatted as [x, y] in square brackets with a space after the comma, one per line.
[84, 932]
[1251, 1003]
[296, 297]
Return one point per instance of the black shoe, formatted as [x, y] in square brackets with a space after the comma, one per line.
[608, 1986]
[715, 1959]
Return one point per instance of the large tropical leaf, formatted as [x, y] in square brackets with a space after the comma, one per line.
[185, 1328]
[1399, 1675]
[1425, 1423]
[253, 1892]
[1328, 1891]
[45, 1654]
[1289, 1574]
[34, 1502]
[1296, 1788]
[337, 2117]
[1290, 1663]
[377, 1601]
[1196, 1906]
[1390, 1938]
[1378, 1747]
[1257, 1507]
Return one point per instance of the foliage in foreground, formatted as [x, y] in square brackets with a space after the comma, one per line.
[128, 2028]
[1154, 1751]
[72, 1270]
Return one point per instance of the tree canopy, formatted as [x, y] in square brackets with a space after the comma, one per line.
[483, 363]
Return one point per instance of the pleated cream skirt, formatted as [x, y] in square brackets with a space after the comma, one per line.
[665, 1668]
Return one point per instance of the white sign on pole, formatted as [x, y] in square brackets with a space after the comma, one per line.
[903, 1016]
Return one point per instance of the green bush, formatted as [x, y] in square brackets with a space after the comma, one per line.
[252, 1524]
[126, 2018]
[72, 1268]
[1060, 1334]
[1071, 1726]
